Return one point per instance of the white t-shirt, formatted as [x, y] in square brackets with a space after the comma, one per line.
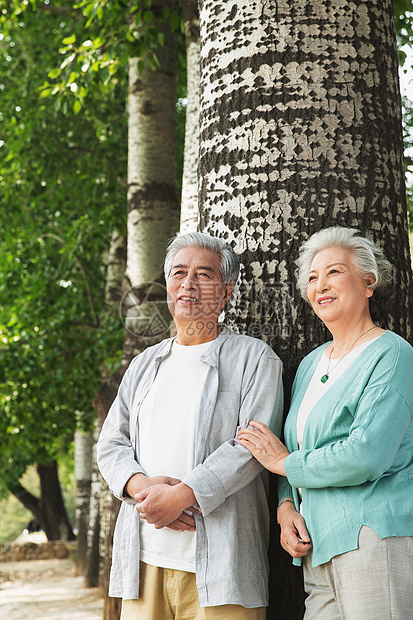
[167, 424]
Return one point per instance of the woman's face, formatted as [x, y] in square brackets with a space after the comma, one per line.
[336, 290]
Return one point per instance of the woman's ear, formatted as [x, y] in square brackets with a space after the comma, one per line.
[370, 281]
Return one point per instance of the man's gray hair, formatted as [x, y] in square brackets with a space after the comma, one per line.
[368, 258]
[229, 265]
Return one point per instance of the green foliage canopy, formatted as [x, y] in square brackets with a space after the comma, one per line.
[63, 190]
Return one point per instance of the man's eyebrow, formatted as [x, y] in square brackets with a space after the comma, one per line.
[206, 268]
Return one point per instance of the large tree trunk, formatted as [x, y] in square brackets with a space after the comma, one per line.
[189, 198]
[49, 509]
[55, 521]
[300, 129]
[152, 220]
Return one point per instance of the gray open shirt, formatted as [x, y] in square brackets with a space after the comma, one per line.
[244, 383]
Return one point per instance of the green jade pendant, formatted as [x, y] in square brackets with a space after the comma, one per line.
[324, 378]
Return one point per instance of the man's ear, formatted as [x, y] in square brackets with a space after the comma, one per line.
[229, 289]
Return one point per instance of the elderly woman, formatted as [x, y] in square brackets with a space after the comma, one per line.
[346, 486]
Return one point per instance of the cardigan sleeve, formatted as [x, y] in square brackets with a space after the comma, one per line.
[368, 452]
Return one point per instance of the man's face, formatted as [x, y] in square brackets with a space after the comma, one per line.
[195, 289]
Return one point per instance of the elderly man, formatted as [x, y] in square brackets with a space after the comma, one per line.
[192, 533]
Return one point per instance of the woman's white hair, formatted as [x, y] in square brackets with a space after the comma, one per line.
[368, 258]
[229, 265]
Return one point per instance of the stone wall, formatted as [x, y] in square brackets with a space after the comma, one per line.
[16, 552]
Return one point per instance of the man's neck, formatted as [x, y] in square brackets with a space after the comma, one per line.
[190, 334]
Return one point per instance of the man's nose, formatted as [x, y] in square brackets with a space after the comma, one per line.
[188, 282]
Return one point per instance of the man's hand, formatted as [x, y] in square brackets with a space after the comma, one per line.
[139, 482]
[164, 505]
[184, 523]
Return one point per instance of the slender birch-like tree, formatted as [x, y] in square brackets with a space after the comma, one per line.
[103, 506]
[189, 198]
[152, 221]
[83, 472]
[300, 129]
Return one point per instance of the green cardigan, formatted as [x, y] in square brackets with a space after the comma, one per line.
[355, 467]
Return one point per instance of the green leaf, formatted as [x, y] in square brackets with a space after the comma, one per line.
[54, 73]
[77, 106]
[45, 93]
[69, 40]
[175, 22]
[148, 17]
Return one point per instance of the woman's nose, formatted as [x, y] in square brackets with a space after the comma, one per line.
[322, 284]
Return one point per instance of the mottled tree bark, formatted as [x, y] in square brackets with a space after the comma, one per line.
[300, 129]
[189, 198]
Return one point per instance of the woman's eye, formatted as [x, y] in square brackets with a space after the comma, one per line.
[311, 279]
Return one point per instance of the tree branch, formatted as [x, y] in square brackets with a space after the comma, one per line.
[28, 500]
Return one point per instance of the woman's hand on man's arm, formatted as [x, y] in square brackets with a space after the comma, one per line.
[264, 446]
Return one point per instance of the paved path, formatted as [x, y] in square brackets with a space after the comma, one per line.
[46, 590]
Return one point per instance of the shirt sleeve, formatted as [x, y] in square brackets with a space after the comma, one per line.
[231, 466]
[367, 453]
[115, 453]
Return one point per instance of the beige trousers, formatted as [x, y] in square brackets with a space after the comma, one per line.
[169, 594]
[373, 582]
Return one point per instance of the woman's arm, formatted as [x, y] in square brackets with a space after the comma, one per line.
[374, 439]
[369, 451]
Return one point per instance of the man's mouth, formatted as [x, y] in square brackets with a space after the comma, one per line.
[188, 300]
